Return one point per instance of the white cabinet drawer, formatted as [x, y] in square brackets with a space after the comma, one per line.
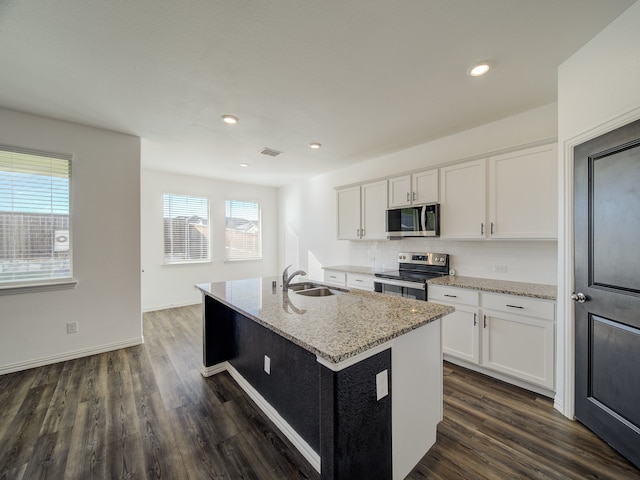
[519, 305]
[364, 282]
[438, 293]
[331, 276]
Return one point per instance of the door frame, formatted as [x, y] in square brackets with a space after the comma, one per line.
[564, 400]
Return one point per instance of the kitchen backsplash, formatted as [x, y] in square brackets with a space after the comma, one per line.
[520, 261]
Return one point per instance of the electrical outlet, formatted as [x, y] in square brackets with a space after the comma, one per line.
[72, 327]
[500, 268]
[382, 384]
[267, 365]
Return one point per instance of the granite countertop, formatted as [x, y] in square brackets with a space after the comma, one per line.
[357, 269]
[521, 289]
[335, 328]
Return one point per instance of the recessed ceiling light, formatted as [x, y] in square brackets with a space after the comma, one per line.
[229, 119]
[479, 69]
[315, 145]
[244, 164]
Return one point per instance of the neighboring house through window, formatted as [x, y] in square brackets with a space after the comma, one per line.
[35, 229]
[243, 231]
[186, 229]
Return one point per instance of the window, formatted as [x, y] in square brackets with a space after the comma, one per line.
[242, 234]
[186, 229]
[34, 217]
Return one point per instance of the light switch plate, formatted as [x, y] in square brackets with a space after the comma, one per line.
[382, 384]
[267, 365]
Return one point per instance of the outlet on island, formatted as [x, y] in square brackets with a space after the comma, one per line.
[72, 327]
[382, 384]
[501, 268]
[267, 365]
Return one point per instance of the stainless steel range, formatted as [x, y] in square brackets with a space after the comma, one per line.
[414, 269]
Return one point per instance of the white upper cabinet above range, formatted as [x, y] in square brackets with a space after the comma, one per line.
[416, 189]
[523, 199]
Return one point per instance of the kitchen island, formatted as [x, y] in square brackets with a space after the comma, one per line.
[353, 379]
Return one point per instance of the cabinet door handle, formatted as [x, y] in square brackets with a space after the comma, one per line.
[414, 196]
[491, 228]
[485, 321]
[452, 296]
[362, 233]
[475, 319]
[482, 229]
[358, 280]
[407, 196]
[516, 306]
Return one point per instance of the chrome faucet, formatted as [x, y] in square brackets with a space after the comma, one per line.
[287, 279]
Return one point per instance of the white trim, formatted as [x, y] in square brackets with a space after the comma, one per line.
[38, 287]
[565, 372]
[336, 367]
[214, 369]
[186, 303]
[85, 352]
[303, 447]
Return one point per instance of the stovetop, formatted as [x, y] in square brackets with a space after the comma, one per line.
[418, 267]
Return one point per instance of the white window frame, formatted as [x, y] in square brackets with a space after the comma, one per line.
[53, 200]
[257, 217]
[187, 206]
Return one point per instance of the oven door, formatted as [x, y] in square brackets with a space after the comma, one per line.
[401, 288]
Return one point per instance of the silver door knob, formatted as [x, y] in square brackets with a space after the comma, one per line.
[579, 297]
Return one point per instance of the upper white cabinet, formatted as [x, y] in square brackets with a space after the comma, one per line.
[520, 189]
[523, 198]
[361, 211]
[416, 189]
[463, 200]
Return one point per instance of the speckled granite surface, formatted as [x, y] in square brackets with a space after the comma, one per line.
[522, 289]
[356, 269]
[334, 328]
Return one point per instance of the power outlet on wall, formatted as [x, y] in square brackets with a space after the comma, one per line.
[72, 327]
[501, 268]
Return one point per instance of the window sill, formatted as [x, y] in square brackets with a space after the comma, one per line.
[38, 287]
[199, 262]
[236, 260]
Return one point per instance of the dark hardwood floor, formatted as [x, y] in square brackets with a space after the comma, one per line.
[147, 413]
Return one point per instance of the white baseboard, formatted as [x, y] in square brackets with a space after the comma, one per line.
[63, 357]
[303, 447]
[186, 303]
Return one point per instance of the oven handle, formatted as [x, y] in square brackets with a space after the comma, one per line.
[401, 283]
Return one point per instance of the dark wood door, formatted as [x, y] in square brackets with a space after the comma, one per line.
[607, 273]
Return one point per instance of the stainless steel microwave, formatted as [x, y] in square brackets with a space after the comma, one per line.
[414, 221]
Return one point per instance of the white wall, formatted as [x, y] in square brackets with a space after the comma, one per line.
[105, 218]
[172, 285]
[597, 92]
[308, 209]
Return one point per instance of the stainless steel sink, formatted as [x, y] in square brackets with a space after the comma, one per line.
[316, 292]
[296, 287]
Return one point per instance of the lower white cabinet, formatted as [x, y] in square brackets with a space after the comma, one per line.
[512, 335]
[351, 280]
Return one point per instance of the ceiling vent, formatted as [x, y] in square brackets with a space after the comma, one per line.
[270, 151]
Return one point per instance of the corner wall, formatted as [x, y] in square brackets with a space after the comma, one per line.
[597, 92]
[105, 215]
[166, 286]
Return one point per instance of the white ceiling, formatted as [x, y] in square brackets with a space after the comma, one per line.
[362, 77]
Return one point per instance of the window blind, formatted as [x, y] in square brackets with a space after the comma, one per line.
[186, 229]
[35, 230]
[243, 231]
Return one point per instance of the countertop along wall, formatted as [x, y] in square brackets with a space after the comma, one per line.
[308, 209]
[166, 286]
[105, 216]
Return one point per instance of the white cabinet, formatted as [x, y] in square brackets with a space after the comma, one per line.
[460, 328]
[361, 212]
[361, 281]
[335, 277]
[523, 198]
[463, 200]
[508, 334]
[519, 338]
[416, 189]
